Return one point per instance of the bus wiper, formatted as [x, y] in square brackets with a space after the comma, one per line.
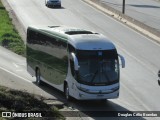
[105, 73]
[102, 72]
[94, 76]
[87, 75]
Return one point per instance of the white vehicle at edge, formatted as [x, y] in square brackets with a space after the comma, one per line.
[81, 63]
[53, 3]
[159, 77]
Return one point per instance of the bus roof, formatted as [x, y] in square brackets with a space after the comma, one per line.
[79, 38]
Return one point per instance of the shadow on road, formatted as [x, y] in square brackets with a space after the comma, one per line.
[95, 109]
[145, 6]
[56, 7]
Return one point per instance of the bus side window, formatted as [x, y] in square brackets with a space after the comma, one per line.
[31, 36]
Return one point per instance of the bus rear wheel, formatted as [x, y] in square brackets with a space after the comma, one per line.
[38, 77]
[66, 92]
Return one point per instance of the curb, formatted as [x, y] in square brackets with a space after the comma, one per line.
[131, 22]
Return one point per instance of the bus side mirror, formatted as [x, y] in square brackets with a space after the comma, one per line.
[75, 60]
[122, 60]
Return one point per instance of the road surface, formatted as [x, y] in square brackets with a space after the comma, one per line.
[145, 11]
[139, 90]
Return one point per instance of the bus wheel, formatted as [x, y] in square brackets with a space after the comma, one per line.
[66, 92]
[38, 77]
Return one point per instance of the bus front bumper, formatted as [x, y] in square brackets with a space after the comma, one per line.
[97, 96]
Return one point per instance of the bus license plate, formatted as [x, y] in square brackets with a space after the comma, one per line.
[100, 95]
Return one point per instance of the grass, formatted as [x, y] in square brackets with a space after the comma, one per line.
[18, 101]
[9, 37]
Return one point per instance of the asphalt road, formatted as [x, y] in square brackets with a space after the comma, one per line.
[139, 88]
[146, 11]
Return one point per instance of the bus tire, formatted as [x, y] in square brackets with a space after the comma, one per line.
[38, 77]
[66, 92]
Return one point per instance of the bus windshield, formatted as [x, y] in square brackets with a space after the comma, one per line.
[98, 67]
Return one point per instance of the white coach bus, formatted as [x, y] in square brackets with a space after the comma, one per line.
[82, 64]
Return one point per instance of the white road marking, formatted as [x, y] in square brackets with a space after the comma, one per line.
[18, 65]
[21, 64]
[19, 70]
[15, 74]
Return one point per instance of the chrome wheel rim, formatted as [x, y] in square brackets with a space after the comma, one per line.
[38, 77]
[67, 92]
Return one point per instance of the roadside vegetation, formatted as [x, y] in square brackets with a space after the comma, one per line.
[15, 101]
[9, 37]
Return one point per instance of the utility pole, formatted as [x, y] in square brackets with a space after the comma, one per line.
[123, 7]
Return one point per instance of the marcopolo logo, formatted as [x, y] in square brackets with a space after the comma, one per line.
[6, 114]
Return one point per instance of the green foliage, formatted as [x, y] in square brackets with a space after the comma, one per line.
[9, 36]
